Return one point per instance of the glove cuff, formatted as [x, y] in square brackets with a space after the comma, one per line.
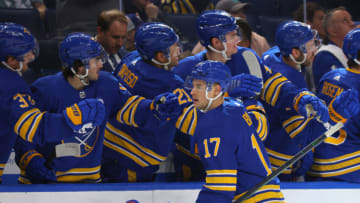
[27, 157]
[298, 98]
[335, 116]
[73, 114]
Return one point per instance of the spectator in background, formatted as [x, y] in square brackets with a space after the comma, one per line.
[185, 6]
[314, 17]
[80, 15]
[337, 23]
[38, 4]
[111, 34]
[134, 21]
[147, 11]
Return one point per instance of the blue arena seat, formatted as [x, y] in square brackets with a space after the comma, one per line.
[27, 17]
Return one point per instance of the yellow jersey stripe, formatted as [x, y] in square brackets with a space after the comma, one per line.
[125, 153]
[337, 159]
[127, 138]
[278, 155]
[24, 129]
[79, 178]
[127, 114]
[130, 148]
[79, 171]
[221, 172]
[334, 173]
[272, 88]
[225, 180]
[221, 188]
[194, 123]
[34, 127]
[187, 152]
[277, 92]
[267, 85]
[291, 120]
[120, 116]
[300, 128]
[341, 165]
[188, 3]
[23, 118]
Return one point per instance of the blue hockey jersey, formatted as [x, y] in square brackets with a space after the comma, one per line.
[233, 156]
[20, 116]
[289, 132]
[54, 93]
[152, 147]
[338, 157]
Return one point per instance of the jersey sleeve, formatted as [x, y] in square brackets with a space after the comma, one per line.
[34, 125]
[257, 114]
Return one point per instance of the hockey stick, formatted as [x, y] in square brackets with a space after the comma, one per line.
[253, 64]
[297, 156]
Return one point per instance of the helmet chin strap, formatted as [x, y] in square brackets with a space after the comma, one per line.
[357, 61]
[223, 52]
[162, 64]
[81, 77]
[16, 70]
[298, 63]
[210, 101]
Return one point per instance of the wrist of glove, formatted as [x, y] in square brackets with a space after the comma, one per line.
[85, 112]
[35, 168]
[344, 106]
[166, 106]
[245, 85]
[308, 105]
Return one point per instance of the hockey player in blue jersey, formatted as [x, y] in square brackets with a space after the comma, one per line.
[233, 155]
[147, 75]
[19, 114]
[290, 131]
[337, 159]
[81, 78]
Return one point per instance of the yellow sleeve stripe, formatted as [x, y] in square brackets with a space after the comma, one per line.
[194, 123]
[130, 148]
[26, 127]
[187, 121]
[2, 166]
[335, 116]
[276, 163]
[122, 151]
[298, 97]
[128, 140]
[292, 120]
[255, 108]
[27, 157]
[224, 180]
[127, 113]
[79, 171]
[263, 189]
[175, 7]
[79, 178]
[262, 125]
[183, 9]
[221, 172]
[23, 118]
[272, 89]
[341, 165]
[221, 188]
[278, 155]
[267, 85]
[34, 127]
[337, 159]
[187, 152]
[299, 129]
[334, 173]
[23, 180]
[188, 3]
[277, 92]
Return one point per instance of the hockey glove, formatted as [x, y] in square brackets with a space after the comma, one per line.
[245, 85]
[165, 106]
[85, 112]
[344, 106]
[37, 171]
[308, 105]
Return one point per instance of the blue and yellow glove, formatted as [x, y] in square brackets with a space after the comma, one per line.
[85, 112]
[166, 106]
[344, 106]
[308, 105]
[245, 85]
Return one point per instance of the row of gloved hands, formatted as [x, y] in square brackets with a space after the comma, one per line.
[92, 111]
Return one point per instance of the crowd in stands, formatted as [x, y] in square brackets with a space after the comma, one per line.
[152, 90]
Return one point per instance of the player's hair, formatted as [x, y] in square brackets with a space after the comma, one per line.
[107, 17]
[311, 8]
[351, 63]
[67, 73]
[244, 28]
